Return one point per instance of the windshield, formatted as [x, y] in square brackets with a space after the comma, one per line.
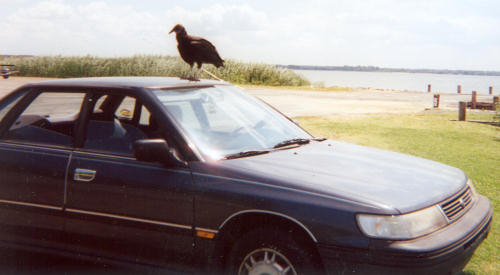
[224, 120]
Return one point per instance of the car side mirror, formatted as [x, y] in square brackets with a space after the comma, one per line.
[156, 150]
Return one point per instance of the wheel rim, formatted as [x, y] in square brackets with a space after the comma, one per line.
[266, 261]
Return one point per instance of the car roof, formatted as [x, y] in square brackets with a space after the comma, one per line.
[126, 82]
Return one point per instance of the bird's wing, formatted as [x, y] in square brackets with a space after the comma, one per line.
[205, 51]
[203, 43]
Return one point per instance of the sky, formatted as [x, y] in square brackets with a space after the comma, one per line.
[437, 34]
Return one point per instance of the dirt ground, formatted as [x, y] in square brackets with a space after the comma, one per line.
[333, 104]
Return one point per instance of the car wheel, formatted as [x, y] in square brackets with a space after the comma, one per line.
[270, 252]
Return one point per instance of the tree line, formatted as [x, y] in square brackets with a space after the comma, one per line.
[388, 70]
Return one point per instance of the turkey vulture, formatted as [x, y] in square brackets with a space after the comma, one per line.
[195, 49]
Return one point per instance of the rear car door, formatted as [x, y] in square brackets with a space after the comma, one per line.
[119, 207]
[35, 148]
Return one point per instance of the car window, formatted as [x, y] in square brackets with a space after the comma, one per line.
[9, 105]
[99, 103]
[48, 119]
[223, 120]
[184, 111]
[145, 116]
[126, 108]
[116, 133]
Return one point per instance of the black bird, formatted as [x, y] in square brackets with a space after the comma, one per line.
[195, 49]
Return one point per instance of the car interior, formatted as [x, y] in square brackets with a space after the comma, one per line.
[111, 127]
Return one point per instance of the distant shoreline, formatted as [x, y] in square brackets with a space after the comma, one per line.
[388, 70]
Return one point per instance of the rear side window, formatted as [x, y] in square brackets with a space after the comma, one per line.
[48, 119]
[126, 109]
[56, 105]
[116, 124]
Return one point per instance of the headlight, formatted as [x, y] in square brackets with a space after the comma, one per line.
[402, 227]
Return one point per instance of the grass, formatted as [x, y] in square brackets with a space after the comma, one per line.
[151, 65]
[472, 147]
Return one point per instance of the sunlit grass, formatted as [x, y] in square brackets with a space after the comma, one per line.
[472, 147]
[151, 65]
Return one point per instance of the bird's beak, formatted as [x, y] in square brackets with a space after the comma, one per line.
[171, 31]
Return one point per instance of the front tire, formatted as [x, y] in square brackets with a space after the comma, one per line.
[270, 252]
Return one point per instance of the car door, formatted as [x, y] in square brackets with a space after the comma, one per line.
[123, 208]
[34, 155]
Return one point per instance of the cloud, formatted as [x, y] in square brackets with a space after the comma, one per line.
[391, 33]
[55, 27]
[234, 29]
[99, 28]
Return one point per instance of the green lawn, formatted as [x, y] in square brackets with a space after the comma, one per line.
[472, 147]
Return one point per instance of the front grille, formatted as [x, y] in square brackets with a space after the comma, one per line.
[455, 207]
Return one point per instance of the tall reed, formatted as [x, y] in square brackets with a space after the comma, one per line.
[152, 65]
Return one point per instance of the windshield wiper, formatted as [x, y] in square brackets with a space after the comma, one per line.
[292, 141]
[246, 154]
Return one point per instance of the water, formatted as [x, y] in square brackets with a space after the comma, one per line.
[442, 83]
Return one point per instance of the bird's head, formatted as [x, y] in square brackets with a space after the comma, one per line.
[178, 29]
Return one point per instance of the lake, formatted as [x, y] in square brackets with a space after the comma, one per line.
[443, 83]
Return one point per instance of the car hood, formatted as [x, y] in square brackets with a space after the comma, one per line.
[382, 178]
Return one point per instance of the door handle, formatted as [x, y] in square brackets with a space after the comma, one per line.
[84, 175]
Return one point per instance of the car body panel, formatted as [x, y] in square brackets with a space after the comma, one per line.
[444, 251]
[31, 198]
[155, 204]
[342, 170]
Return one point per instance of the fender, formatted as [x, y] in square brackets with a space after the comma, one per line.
[271, 213]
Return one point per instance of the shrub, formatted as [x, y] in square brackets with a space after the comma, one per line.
[153, 65]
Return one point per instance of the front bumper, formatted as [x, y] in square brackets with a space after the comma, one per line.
[446, 251]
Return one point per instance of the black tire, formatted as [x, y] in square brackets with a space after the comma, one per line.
[271, 248]
[5, 76]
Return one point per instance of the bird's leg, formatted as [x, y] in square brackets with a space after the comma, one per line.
[190, 77]
[196, 76]
[191, 72]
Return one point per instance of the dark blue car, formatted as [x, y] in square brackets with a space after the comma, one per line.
[200, 177]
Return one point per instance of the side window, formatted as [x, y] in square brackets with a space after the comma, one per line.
[7, 106]
[115, 129]
[48, 119]
[126, 109]
[145, 116]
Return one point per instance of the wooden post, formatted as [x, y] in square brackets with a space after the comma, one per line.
[491, 90]
[462, 109]
[436, 101]
[459, 89]
[429, 88]
[495, 100]
[474, 100]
